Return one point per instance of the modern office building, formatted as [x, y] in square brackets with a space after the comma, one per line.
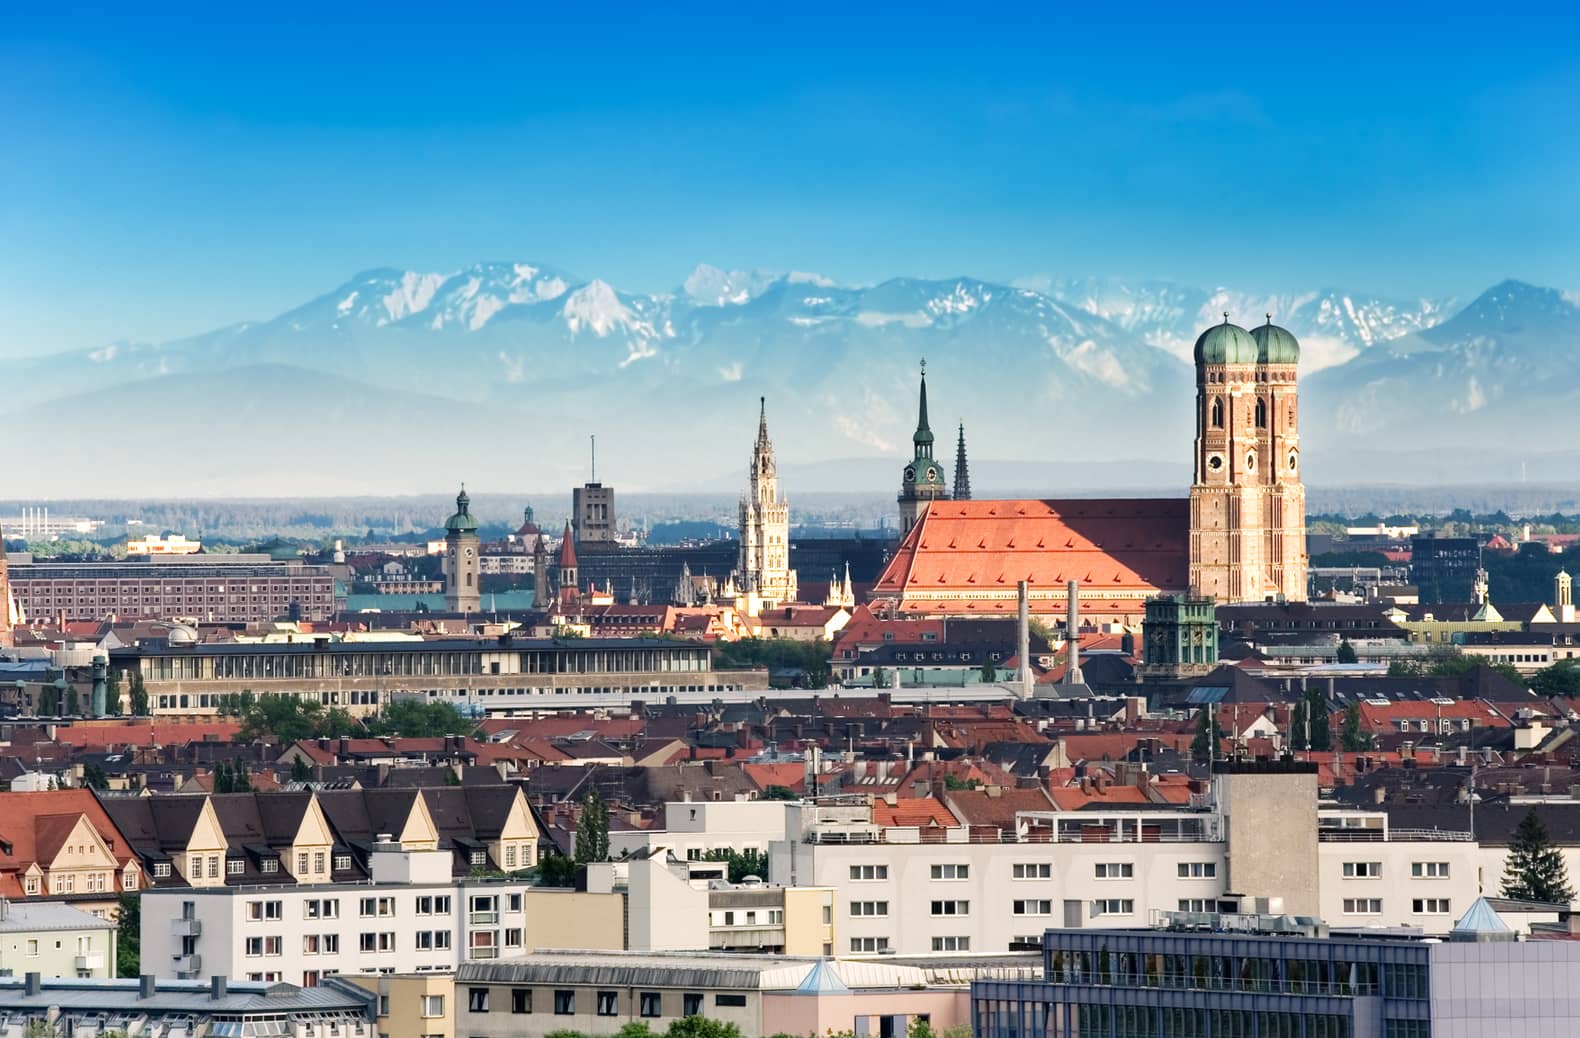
[1444, 568]
[1260, 976]
[495, 675]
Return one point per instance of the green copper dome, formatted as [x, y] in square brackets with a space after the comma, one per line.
[1226, 344]
[1275, 345]
[461, 521]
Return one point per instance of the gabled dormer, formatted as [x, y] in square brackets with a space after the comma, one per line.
[202, 861]
[309, 856]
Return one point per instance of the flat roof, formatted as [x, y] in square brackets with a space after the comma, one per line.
[324, 646]
[174, 996]
[19, 917]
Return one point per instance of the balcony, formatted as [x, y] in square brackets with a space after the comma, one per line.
[189, 964]
[483, 953]
[186, 928]
[483, 918]
[91, 961]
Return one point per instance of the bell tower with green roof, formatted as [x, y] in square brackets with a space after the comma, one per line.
[462, 592]
[923, 479]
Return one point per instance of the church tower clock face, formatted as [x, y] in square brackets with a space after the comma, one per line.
[1292, 461]
[932, 474]
[910, 474]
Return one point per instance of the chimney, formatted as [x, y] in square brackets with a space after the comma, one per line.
[1072, 633]
[146, 986]
[216, 988]
[34, 983]
[1023, 639]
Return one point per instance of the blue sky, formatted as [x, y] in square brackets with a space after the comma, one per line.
[165, 173]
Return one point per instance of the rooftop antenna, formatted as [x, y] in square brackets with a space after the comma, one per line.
[593, 442]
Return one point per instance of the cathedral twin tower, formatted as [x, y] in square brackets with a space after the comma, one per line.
[1247, 503]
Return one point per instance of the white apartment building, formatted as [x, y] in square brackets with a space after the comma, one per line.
[413, 916]
[692, 828]
[55, 940]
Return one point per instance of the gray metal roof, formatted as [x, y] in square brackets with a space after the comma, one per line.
[16, 917]
[175, 996]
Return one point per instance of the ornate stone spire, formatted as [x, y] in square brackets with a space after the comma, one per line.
[923, 438]
[962, 474]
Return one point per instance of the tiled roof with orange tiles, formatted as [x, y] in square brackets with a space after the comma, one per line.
[1075, 798]
[790, 775]
[982, 773]
[560, 726]
[921, 812]
[1381, 718]
[995, 711]
[32, 825]
[1117, 745]
[98, 735]
[867, 628]
[1117, 544]
[995, 807]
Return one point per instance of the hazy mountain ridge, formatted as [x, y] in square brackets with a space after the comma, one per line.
[529, 355]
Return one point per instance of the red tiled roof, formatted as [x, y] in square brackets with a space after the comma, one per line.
[32, 826]
[922, 812]
[139, 733]
[567, 548]
[1120, 550]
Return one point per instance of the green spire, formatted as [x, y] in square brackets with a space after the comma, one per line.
[924, 434]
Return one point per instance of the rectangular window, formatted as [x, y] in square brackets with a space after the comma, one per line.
[342, 862]
[1033, 907]
[1115, 870]
[513, 937]
[1363, 870]
[161, 870]
[608, 1002]
[254, 946]
[477, 1000]
[272, 945]
[869, 908]
[951, 944]
[273, 909]
[521, 1000]
[432, 1005]
[1363, 906]
[331, 944]
[652, 1004]
[564, 1003]
[1113, 906]
[1429, 869]
[863, 945]
[213, 867]
[1429, 906]
[691, 1003]
[269, 866]
[730, 1001]
[951, 908]
[951, 871]
[318, 862]
[869, 872]
[301, 863]
[235, 866]
[1196, 904]
[1032, 870]
[1198, 870]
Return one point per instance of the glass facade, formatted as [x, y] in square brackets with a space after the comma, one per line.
[1162, 984]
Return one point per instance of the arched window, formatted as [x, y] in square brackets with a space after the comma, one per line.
[1217, 412]
[1261, 413]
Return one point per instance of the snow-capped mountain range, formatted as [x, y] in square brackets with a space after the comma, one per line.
[498, 373]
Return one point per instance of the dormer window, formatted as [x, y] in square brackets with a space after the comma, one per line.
[30, 886]
[479, 858]
[269, 865]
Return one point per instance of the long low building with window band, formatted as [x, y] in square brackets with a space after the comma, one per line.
[1167, 983]
[495, 675]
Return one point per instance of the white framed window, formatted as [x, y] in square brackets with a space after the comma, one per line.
[862, 945]
[1196, 904]
[342, 862]
[869, 908]
[951, 908]
[951, 944]
[1363, 870]
[235, 866]
[1032, 870]
[1198, 870]
[1114, 870]
[1033, 906]
[1114, 906]
[1430, 906]
[1429, 869]
[432, 1006]
[865, 873]
[952, 870]
[161, 870]
[1363, 906]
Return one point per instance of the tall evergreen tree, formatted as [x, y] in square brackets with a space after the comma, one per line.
[301, 771]
[592, 830]
[1534, 869]
[1347, 653]
[1321, 727]
[1205, 745]
[1353, 738]
[1299, 727]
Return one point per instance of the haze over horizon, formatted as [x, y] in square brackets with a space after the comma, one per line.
[167, 174]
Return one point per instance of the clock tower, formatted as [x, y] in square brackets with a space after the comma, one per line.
[462, 593]
[923, 479]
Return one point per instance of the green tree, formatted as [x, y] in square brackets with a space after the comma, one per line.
[634, 1029]
[989, 671]
[1346, 653]
[592, 830]
[1299, 726]
[72, 702]
[285, 719]
[112, 693]
[1561, 679]
[129, 937]
[776, 792]
[222, 780]
[93, 777]
[411, 718]
[750, 862]
[1534, 869]
[1321, 723]
[880, 677]
[301, 771]
[139, 695]
[556, 870]
[1354, 738]
[1205, 745]
[701, 1027]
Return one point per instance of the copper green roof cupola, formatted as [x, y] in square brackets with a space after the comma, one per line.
[1274, 345]
[1226, 344]
[461, 521]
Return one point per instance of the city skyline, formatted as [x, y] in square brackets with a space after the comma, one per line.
[166, 177]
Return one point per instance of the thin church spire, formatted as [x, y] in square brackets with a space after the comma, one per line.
[962, 473]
